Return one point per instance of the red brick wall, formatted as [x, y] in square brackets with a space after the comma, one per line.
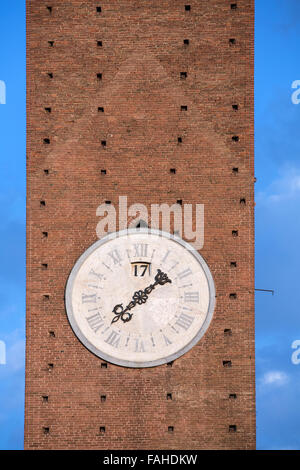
[141, 58]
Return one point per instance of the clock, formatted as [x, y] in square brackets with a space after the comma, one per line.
[140, 297]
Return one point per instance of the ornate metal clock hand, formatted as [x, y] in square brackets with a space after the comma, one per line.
[139, 297]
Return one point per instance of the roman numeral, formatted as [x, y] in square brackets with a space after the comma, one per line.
[191, 297]
[93, 273]
[95, 322]
[139, 346]
[184, 321]
[167, 341]
[115, 256]
[186, 272]
[174, 265]
[140, 249]
[113, 339]
[86, 298]
[165, 257]
[94, 287]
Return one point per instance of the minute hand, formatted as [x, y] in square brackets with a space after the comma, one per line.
[139, 297]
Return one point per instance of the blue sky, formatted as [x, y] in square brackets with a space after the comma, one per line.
[12, 227]
[277, 151]
[277, 222]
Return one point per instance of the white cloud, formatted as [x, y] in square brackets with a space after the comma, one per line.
[274, 378]
[283, 189]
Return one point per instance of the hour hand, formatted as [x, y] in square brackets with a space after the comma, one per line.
[121, 313]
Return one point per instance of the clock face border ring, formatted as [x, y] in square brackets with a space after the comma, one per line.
[132, 364]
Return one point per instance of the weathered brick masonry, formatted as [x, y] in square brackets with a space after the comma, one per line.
[141, 49]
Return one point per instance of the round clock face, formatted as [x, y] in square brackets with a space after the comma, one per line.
[140, 299]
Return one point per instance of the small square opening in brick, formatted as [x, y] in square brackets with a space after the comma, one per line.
[49, 9]
[103, 365]
[45, 234]
[107, 202]
[46, 297]
[52, 334]
[170, 429]
[50, 74]
[235, 138]
[227, 363]
[46, 430]
[103, 398]
[99, 76]
[232, 396]
[235, 170]
[50, 366]
[232, 41]
[102, 429]
[44, 266]
[98, 9]
[233, 6]
[45, 398]
[227, 332]
[170, 364]
[183, 75]
[103, 143]
[183, 108]
[232, 428]
[179, 140]
[233, 264]
[243, 201]
[103, 172]
[179, 201]
[99, 43]
[46, 141]
[233, 295]
[235, 233]
[187, 7]
[51, 43]
[173, 170]
[46, 171]
[100, 109]
[235, 107]
[186, 42]
[48, 110]
[169, 396]
[42, 203]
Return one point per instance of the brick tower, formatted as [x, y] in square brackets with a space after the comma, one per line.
[153, 100]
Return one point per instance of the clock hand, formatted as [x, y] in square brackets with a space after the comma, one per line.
[139, 297]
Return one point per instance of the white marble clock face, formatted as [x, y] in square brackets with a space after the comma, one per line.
[140, 299]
